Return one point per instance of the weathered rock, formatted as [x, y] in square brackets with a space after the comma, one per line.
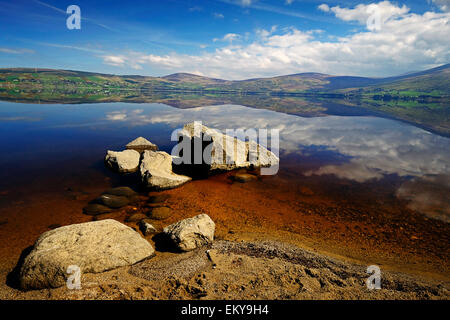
[191, 233]
[121, 191]
[160, 213]
[136, 217]
[94, 209]
[243, 177]
[227, 152]
[141, 144]
[156, 171]
[146, 227]
[92, 246]
[112, 201]
[123, 161]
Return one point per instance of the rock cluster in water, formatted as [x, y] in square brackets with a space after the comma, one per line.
[105, 243]
[156, 170]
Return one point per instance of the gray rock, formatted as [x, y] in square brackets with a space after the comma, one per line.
[141, 144]
[123, 161]
[146, 227]
[94, 209]
[112, 201]
[191, 233]
[92, 246]
[156, 171]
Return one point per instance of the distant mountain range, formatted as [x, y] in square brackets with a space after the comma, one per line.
[434, 82]
[422, 98]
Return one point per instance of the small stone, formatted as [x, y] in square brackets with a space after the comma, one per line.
[136, 217]
[112, 201]
[141, 144]
[121, 191]
[158, 198]
[160, 213]
[191, 233]
[243, 177]
[94, 209]
[146, 227]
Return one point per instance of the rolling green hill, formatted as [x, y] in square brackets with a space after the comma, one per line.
[422, 97]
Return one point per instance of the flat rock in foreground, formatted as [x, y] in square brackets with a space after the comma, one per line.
[191, 233]
[123, 161]
[156, 171]
[92, 246]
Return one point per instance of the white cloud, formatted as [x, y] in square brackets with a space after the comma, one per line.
[324, 7]
[246, 3]
[289, 1]
[218, 15]
[407, 41]
[363, 12]
[114, 60]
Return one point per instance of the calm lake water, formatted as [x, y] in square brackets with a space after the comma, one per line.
[39, 141]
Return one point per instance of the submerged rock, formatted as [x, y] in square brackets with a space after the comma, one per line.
[136, 217]
[141, 144]
[191, 233]
[123, 161]
[156, 171]
[160, 213]
[122, 191]
[112, 201]
[160, 198]
[92, 246]
[243, 177]
[94, 209]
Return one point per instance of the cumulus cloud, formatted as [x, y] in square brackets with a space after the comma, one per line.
[362, 12]
[406, 41]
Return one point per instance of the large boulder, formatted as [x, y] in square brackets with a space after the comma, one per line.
[92, 246]
[123, 161]
[226, 152]
[191, 233]
[156, 171]
[141, 144]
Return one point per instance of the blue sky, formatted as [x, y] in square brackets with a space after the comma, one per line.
[231, 39]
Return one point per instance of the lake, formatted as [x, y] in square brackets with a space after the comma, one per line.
[377, 181]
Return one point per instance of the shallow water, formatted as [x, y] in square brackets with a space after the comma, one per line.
[54, 147]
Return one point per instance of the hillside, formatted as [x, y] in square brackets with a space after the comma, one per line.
[422, 97]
